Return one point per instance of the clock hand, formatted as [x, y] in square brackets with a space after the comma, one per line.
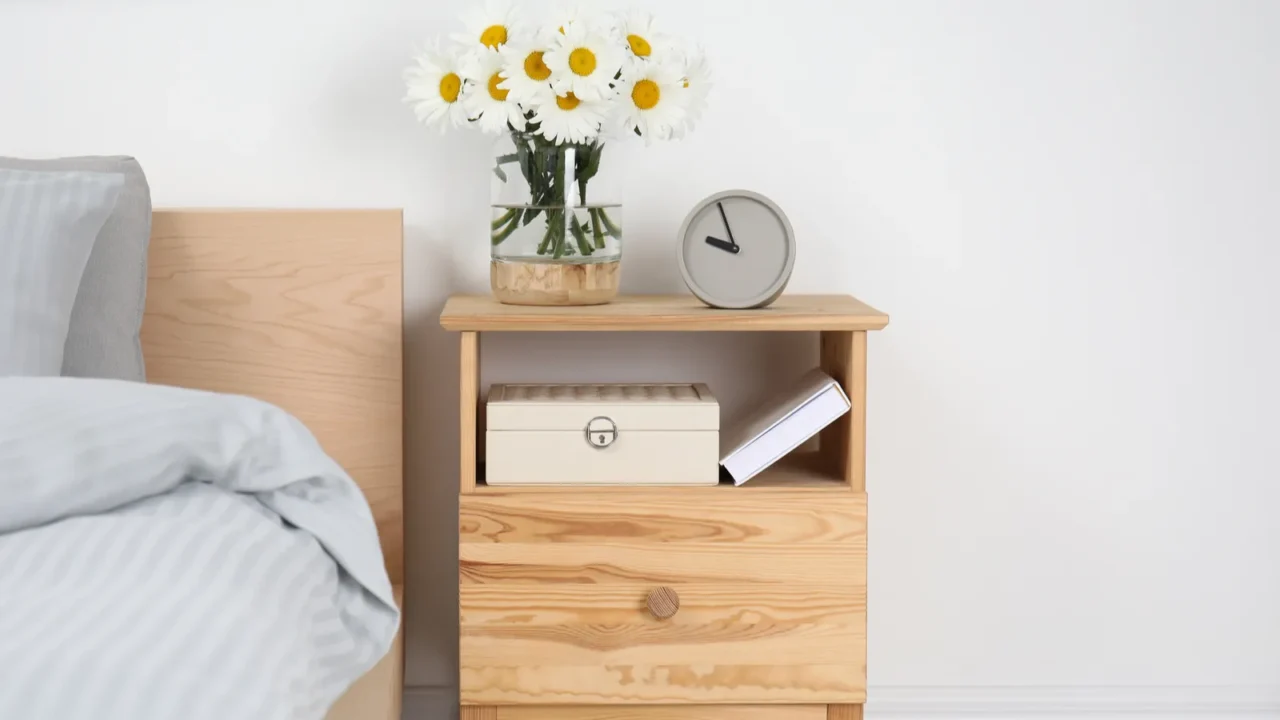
[725, 218]
[724, 245]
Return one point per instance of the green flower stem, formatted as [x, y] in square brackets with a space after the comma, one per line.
[512, 223]
[580, 235]
[597, 231]
[551, 175]
[613, 230]
[556, 191]
[557, 232]
[506, 218]
[544, 247]
[588, 164]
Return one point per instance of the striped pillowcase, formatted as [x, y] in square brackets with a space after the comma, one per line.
[103, 340]
[48, 224]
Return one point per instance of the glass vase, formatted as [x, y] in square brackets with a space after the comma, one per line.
[556, 226]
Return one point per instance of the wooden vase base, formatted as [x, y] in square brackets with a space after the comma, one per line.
[523, 283]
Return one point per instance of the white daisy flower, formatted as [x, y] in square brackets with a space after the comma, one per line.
[565, 15]
[568, 119]
[524, 72]
[643, 41]
[485, 101]
[696, 84]
[652, 100]
[435, 89]
[584, 62]
[492, 25]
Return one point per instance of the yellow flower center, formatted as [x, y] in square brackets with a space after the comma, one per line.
[646, 94]
[568, 101]
[493, 36]
[496, 92]
[686, 82]
[582, 61]
[450, 86]
[639, 46]
[535, 67]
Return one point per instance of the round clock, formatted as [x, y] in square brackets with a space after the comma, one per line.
[736, 250]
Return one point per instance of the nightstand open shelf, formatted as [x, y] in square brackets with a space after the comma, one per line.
[556, 583]
[798, 471]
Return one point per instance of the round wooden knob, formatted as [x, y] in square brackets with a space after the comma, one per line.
[663, 602]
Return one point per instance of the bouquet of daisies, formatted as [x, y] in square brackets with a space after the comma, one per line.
[561, 89]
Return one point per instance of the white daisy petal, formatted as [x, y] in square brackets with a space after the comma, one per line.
[638, 34]
[584, 62]
[584, 78]
[565, 15]
[653, 100]
[435, 87]
[696, 83]
[485, 100]
[525, 73]
[491, 25]
[566, 119]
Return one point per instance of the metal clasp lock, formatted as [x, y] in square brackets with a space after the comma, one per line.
[601, 432]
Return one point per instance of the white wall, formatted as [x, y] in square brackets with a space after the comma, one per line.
[1071, 209]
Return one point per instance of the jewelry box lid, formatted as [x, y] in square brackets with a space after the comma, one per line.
[637, 406]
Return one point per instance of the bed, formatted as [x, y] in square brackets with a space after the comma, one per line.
[302, 309]
[200, 454]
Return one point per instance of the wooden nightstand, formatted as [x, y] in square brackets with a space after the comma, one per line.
[559, 614]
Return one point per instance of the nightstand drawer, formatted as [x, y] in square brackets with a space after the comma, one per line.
[558, 597]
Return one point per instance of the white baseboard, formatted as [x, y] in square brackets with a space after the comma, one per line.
[1003, 703]
[1067, 703]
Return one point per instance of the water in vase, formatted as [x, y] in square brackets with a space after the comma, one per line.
[589, 234]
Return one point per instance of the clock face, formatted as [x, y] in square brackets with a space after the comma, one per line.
[737, 250]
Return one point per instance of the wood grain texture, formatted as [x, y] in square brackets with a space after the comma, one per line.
[663, 602]
[771, 577]
[856, 465]
[376, 695]
[468, 401]
[554, 283]
[473, 712]
[302, 309]
[805, 472]
[500, 605]
[669, 563]
[671, 684]
[663, 313]
[645, 514]
[842, 444]
[666, 712]
[844, 712]
[801, 470]
[553, 592]
[729, 640]
[835, 352]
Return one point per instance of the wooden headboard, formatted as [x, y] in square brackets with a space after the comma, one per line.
[302, 309]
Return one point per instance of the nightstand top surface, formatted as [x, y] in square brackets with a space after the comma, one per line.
[663, 313]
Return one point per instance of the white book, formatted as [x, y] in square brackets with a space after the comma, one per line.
[781, 424]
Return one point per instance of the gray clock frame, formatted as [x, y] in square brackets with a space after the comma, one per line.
[768, 295]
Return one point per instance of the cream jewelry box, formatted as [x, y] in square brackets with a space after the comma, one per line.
[602, 435]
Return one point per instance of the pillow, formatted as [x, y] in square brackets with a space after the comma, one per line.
[48, 225]
[102, 340]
